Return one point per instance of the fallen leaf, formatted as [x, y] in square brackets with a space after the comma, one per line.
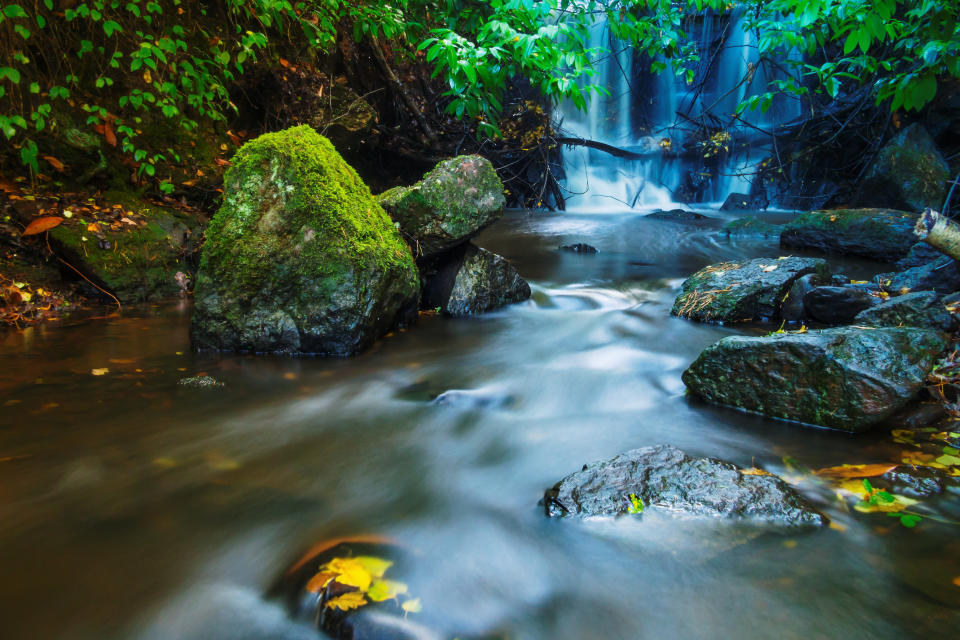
[386, 590]
[100, 372]
[772, 267]
[56, 164]
[222, 162]
[347, 601]
[755, 472]
[856, 470]
[375, 566]
[317, 583]
[349, 572]
[412, 606]
[42, 224]
[108, 133]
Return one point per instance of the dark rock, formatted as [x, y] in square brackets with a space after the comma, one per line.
[471, 399]
[913, 482]
[942, 276]
[579, 247]
[845, 378]
[878, 234]
[920, 416]
[299, 258]
[909, 173]
[736, 202]
[199, 382]
[836, 305]
[752, 226]
[677, 215]
[792, 307]
[741, 291]
[455, 201]
[469, 280]
[915, 309]
[665, 477]
[920, 254]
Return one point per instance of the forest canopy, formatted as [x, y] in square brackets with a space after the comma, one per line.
[109, 69]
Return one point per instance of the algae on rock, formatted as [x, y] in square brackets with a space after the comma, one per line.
[300, 258]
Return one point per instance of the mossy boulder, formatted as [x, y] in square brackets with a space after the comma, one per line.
[909, 173]
[751, 226]
[751, 290]
[878, 234]
[469, 280]
[451, 204]
[300, 258]
[914, 309]
[136, 255]
[846, 378]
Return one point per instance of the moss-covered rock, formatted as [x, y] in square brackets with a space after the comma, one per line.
[878, 234]
[751, 290]
[300, 258]
[135, 258]
[909, 173]
[453, 203]
[914, 309]
[751, 226]
[469, 280]
[847, 378]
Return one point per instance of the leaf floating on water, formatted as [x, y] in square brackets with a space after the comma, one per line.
[100, 372]
[412, 606]
[349, 572]
[856, 470]
[347, 601]
[317, 583]
[386, 590]
[42, 224]
[375, 566]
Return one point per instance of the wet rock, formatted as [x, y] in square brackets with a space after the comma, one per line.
[878, 234]
[664, 477]
[845, 378]
[678, 215]
[915, 309]
[836, 305]
[471, 399]
[451, 204]
[470, 280]
[578, 247]
[736, 202]
[752, 226]
[200, 382]
[913, 482]
[920, 254]
[920, 416]
[909, 173]
[741, 291]
[299, 258]
[941, 275]
[792, 308]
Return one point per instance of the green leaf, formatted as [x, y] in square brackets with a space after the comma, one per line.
[10, 73]
[14, 11]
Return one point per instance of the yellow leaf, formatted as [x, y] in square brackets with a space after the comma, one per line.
[386, 590]
[769, 268]
[920, 459]
[319, 581]
[375, 566]
[412, 606]
[147, 77]
[100, 372]
[347, 601]
[755, 472]
[856, 470]
[899, 503]
[349, 572]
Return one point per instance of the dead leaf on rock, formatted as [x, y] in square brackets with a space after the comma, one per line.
[347, 601]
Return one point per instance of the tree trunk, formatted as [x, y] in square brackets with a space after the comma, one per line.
[939, 232]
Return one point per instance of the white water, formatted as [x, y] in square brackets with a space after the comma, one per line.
[640, 114]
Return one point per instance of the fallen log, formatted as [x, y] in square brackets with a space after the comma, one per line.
[601, 146]
[939, 232]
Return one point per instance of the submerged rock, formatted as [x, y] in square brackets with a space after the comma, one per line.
[199, 382]
[751, 226]
[665, 477]
[470, 280]
[846, 378]
[578, 247]
[471, 399]
[836, 305]
[678, 215]
[741, 291]
[300, 258]
[451, 204]
[736, 202]
[878, 234]
[915, 309]
[909, 172]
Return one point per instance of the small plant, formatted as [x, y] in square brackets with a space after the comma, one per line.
[636, 504]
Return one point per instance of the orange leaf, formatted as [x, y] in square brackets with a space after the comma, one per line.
[109, 134]
[319, 581]
[222, 162]
[56, 164]
[754, 471]
[856, 470]
[284, 63]
[42, 224]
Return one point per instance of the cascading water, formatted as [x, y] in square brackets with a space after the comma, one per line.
[657, 116]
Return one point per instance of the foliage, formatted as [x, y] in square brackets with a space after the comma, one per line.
[636, 504]
[365, 576]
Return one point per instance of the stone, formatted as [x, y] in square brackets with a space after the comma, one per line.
[914, 309]
[471, 399]
[200, 382]
[678, 215]
[579, 247]
[451, 204]
[941, 275]
[909, 173]
[751, 226]
[836, 305]
[792, 308]
[300, 259]
[470, 280]
[913, 482]
[845, 378]
[750, 290]
[736, 202]
[920, 254]
[878, 234]
[666, 478]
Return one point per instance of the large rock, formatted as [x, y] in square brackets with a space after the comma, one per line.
[941, 275]
[751, 226]
[836, 305]
[300, 258]
[741, 291]
[846, 378]
[453, 202]
[878, 234]
[470, 280]
[664, 477]
[915, 309]
[909, 173]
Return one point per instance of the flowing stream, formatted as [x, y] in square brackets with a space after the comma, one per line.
[130, 508]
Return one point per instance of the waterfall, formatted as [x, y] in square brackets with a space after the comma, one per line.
[640, 115]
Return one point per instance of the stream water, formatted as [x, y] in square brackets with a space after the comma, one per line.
[131, 508]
